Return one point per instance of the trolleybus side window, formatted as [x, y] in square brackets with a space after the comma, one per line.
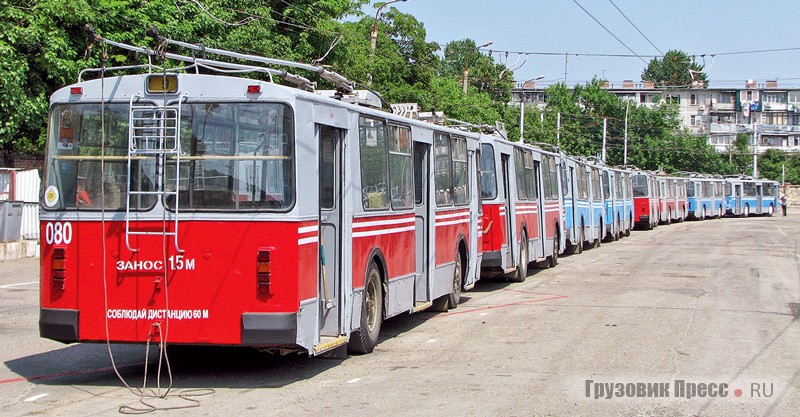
[530, 177]
[770, 190]
[460, 172]
[690, 188]
[606, 185]
[401, 167]
[618, 190]
[443, 169]
[239, 156]
[728, 190]
[519, 170]
[488, 173]
[553, 174]
[564, 179]
[596, 192]
[372, 145]
[583, 182]
[749, 189]
[88, 167]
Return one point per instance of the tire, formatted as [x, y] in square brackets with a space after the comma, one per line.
[746, 211]
[522, 267]
[630, 226]
[553, 261]
[771, 210]
[579, 247]
[703, 217]
[364, 339]
[617, 232]
[719, 212]
[600, 235]
[451, 300]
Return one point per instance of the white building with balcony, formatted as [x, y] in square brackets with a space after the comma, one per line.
[769, 114]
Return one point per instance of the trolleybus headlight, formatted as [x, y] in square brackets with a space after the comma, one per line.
[263, 272]
[59, 266]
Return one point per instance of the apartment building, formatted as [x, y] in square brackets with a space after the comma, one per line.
[770, 115]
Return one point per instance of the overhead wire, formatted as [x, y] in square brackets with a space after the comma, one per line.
[635, 27]
[609, 31]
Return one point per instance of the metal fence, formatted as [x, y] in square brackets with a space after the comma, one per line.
[24, 186]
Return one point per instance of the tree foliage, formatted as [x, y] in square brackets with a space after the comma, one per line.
[43, 43]
[675, 69]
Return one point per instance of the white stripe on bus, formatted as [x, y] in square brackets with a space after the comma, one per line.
[452, 222]
[307, 229]
[380, 232]
[362, 224]
[307, 240]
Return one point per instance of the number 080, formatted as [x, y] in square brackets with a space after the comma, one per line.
[58, 233]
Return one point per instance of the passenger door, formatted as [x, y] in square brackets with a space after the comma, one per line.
[330, 231]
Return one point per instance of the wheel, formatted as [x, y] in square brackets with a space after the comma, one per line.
[522, 266]
[579, 246]
[771, 210]
[600, 234]
[746, 210]
[451, 300]
[617, 232]
[554, 257]
[703, 217]
[630, 226]
[364, 339]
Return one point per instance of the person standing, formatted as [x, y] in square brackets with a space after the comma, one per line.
[784, 201]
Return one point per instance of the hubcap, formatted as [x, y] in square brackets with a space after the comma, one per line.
[372, 304]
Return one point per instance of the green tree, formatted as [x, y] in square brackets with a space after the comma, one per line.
[675, 69]
[42, 43]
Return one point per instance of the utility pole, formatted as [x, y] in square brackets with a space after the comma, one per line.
[465, 81]
[755, 151]
[625, 157]
[522, 119]
[605, 129]
[373, 36]
[558, 130]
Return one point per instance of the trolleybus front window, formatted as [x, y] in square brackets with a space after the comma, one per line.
[236, 156]
[488, 174]
[88, 166]
[639, 185]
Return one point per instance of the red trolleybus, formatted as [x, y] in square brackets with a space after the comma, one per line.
[522, 207]
[645, 200]
[215, 209]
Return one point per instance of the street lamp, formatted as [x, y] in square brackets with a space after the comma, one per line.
[466, 67]
[522, 107]
[373, 37]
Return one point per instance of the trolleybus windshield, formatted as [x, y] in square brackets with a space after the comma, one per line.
[87, 158]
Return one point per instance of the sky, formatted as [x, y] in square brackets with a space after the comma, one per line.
[709, 30]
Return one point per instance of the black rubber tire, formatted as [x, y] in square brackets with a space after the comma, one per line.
[449, 301]
[522, 266]
[364, 339]
[600, 235]
[579, 247]
[553, 261]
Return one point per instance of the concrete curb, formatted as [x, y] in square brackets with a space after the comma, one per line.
[18, 250]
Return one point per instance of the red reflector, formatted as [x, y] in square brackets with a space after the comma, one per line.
[76, 90]
[59, 253]
[253, 88]
[263, 274]
[57, 283]
[59, 264]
